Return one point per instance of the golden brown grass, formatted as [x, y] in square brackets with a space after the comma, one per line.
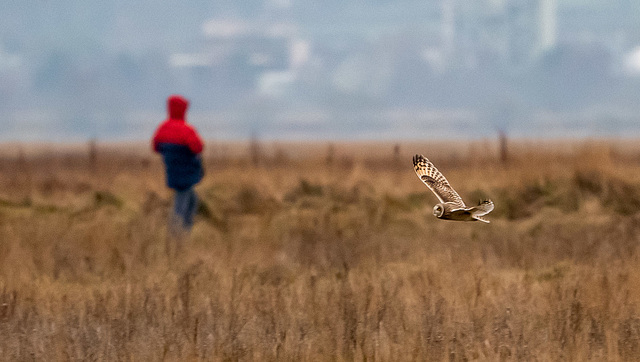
[323, 252]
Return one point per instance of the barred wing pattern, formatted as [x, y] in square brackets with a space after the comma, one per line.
[436, 181]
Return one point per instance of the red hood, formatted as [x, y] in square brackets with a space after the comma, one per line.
[177, 107]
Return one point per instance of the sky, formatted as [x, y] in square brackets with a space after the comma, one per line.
[301, 69]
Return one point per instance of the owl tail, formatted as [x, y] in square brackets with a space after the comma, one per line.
[482, 209]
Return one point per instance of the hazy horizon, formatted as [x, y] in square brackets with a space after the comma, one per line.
[293, 69]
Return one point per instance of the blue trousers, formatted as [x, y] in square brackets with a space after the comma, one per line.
[185, 205]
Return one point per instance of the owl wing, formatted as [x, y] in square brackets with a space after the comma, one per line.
[435, 181]
[483, 208]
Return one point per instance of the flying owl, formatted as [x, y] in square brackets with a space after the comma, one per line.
[451, 206]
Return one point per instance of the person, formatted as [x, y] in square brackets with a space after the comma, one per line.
[181, 147]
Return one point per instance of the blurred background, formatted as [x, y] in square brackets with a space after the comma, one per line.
[336, 70]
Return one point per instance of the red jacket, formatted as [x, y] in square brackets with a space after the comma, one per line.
[175, 129]
[180, 146]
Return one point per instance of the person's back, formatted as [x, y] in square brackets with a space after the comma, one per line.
[180, 147]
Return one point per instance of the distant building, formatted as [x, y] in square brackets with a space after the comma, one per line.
[548, 29]
[531, 30]
[248, 55]
[511, 32]
[256, 45]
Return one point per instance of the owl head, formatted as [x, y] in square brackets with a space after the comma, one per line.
[438, 210]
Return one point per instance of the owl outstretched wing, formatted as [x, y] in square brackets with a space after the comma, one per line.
[436, 181]
[483, 208]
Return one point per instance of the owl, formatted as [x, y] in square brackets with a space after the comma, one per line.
[451, 206]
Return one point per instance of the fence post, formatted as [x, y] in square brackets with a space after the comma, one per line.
[254, 150]
[331, 155]
[93, 155]
[396, 157]
[502, 142]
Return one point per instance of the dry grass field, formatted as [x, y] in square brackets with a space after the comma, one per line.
[312, 252]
